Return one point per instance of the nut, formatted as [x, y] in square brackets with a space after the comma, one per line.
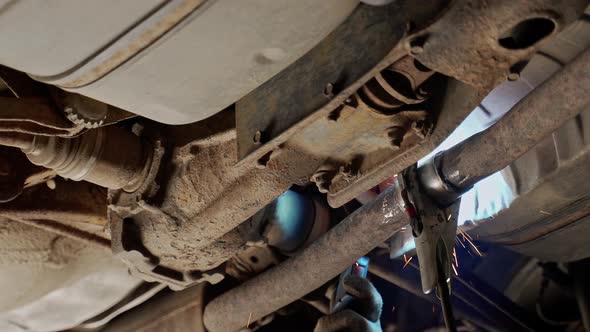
[323, 179]
[329, 90]
[513, 76]
[416, 45]
[348, 172]
[258, 137]
[420, 128]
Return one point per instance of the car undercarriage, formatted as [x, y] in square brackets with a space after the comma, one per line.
[214, 165]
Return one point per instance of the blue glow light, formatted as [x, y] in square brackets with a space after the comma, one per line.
[291, 214]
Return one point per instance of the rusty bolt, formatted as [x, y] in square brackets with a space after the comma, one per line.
[323, 179]
[417, 45]
[329, 90]
[347, 171]
[515, 70]
[420, 128]
[415, 50]
[258, 137]
[396, 136]
[513, 76]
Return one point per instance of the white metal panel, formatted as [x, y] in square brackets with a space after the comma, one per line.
[222, 51]
[49, 38]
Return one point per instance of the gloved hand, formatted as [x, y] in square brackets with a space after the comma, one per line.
[361, 315]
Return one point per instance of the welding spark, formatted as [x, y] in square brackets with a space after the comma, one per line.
[474, 247]
[465, 235]
[467, 238]
[545, 212]
[455, 262]
[406, 261]
[457, 239]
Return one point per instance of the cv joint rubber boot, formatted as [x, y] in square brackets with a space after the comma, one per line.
[109, 156]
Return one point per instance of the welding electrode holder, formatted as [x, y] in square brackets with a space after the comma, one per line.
[434, 230]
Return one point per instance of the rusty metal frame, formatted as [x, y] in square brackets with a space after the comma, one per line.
[310, 119]
[465, 42]
[323, 78]
[177, 240]
[348, 239]
[521, 129]
[267, 124]
[312, 122]
[326, 77]
[316, 121]
[163, 238]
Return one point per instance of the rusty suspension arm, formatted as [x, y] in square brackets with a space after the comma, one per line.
[359, 233]
[457, 169]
